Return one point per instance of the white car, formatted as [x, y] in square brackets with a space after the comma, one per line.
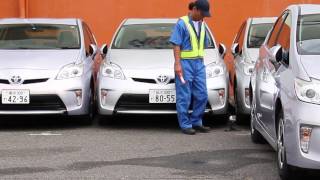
[46, 67]
[137, 74]
[285, 91]
[245, 50]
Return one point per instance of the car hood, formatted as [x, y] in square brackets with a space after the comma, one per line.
[252, 55]
[151, 59]
[311, 64]
[37, 59]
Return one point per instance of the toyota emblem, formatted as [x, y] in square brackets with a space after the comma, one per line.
[16, 80]
[163, 79]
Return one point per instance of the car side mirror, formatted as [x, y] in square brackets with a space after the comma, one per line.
[222, 50]
[92, 50]
[235, 49]
[276, 53]
[104, 49]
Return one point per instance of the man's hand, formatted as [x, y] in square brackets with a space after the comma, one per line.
[178, 68]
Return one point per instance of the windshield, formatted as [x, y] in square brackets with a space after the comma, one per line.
[39, 36]
[257, 34]
[146, 36]
[308, 34]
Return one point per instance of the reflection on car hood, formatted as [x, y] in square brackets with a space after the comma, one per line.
[150, 59]
[37, 59]
[252, 55]
[311, 64]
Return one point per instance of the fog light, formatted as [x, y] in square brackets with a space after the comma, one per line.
[79, 97]
[222, 95]
[104, 94]
[305, 136]
[247, 96]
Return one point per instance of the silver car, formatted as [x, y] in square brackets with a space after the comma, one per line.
[137, 76]
[285, 90]
[46, 67]
[245, 50]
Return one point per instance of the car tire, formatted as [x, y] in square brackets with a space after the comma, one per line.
[285, 171]
[256, 136]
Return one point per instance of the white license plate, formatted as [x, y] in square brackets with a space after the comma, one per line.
[15, 97]
[162, 96]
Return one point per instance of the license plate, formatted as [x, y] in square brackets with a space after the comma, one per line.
[162, 96]
[15, 97]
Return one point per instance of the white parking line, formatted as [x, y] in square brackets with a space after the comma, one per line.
[243, 134]
[45, 134]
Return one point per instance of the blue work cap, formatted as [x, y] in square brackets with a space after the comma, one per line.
[204, 7]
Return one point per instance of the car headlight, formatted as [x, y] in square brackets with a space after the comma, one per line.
[308, 91]
[70, 71]
[248, 69]
[214, 70]
[112, 70]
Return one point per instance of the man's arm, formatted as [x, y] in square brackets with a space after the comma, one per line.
[177, 64]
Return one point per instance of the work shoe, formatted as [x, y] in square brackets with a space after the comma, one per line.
[188, 131]
[202, 129]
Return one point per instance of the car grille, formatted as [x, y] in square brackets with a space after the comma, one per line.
[145, 80]
[4, 81]
[37, 103]
[151, 81]
[31, 81]
[27, 81]
[141, 102]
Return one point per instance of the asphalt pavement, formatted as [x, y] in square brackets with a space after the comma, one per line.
[133, 147]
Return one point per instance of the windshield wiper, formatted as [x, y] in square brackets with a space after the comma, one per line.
[67, 47]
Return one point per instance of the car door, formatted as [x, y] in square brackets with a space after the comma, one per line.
[266, 85]
[279, 68]
[269, 76]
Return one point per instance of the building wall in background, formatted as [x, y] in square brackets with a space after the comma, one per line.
[9, 8]
[104, 16]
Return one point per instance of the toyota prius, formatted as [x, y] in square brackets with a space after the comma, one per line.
[46, 67]
[137, 74]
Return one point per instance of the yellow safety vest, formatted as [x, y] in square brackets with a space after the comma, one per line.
[197, 47]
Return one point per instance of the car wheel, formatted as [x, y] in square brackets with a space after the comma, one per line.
[256, 136]
[283, 168]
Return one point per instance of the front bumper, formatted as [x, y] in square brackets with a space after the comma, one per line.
[299, 114]
[131, 97]
[51, 97]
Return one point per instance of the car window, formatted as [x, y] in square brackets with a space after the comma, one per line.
[39, 36]
[284, 35]
[275, 31]
[308, 34]
[210, 40]
[147, 36]
[90, 34]
[241, 37]
[242, 27]
[257, 34]
[87, 40]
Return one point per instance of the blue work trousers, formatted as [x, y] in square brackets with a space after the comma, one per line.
[195, 88]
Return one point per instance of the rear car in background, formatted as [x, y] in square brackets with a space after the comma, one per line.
[285, 90]
[46, 67]
[245, 50]
[137, 74]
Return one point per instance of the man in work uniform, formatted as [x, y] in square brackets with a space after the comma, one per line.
[189, 39]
